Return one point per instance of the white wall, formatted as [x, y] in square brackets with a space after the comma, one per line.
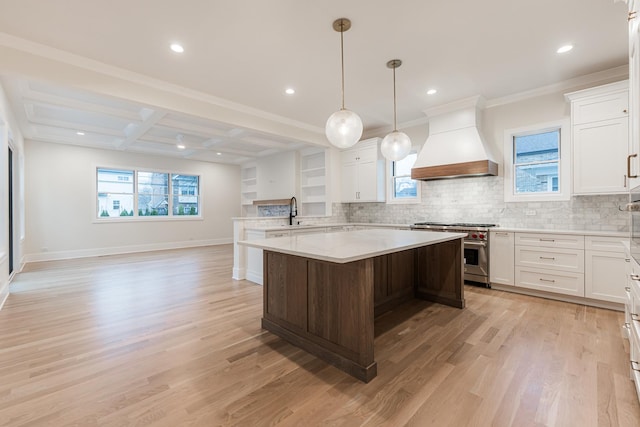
[9, 128]
[61, 222]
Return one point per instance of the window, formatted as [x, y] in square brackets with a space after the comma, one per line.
[146, 194]
[115, 192]
[536, 163]
[401, 188]
[185, 194]
[153, 194]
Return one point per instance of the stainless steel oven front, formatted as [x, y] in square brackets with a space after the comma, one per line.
[476, 260]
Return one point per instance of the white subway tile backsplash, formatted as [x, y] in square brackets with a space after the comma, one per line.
[481, 199]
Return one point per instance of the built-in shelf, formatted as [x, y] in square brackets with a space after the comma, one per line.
[314, 197]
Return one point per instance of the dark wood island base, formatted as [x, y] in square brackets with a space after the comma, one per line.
[328, 308]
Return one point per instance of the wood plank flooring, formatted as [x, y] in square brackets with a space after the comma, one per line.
[169, 339]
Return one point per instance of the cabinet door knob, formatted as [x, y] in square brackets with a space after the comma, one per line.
[631, 16]
[624, 111]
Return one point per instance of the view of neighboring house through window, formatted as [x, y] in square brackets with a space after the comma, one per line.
[146, 194]
[153, 194]
[185, 194]
[115, 192]
[536, 162]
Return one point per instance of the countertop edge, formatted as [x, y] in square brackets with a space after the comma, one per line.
[269, 245]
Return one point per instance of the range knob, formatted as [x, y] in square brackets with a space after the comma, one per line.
[482, 236]
[475, 236]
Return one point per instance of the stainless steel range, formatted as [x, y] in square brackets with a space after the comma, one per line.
[476, 247]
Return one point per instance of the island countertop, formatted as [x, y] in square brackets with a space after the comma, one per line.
[348, 246]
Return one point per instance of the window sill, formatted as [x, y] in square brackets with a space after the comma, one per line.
[155, 218]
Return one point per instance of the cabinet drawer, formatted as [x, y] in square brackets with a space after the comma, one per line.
[550, 281]
[601, 107]
[567, 241]
[606, 244]
[554, 259]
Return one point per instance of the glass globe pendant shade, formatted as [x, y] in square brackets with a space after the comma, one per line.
[344, 128]
[395, 146]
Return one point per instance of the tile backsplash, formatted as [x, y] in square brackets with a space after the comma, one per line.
[481, 199]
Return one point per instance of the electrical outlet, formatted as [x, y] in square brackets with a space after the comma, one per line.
[530, 212]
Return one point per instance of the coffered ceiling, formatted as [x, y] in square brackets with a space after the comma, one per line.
[105, 69]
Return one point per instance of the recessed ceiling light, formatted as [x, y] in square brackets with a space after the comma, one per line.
[431, 91]
[290, 91]
[219, 154]
[80, 133]
[565, 48]
[177, 48]
[181, 146]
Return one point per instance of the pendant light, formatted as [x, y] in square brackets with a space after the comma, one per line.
[344, 127]
[396, 145]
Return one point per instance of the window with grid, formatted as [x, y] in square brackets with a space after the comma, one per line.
[134, 193]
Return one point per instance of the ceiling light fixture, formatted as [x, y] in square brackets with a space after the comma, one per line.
[432, 91]
[396, 145]
[180, 144]
[80, 133]
[290, 91]
[219, 154]
[564, 49]
[344, 127]
[177, 48]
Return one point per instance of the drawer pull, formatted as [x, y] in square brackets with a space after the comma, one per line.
[634, 277]
[635, 317]
[627, 260]
[547, 280]
[634, 364]
[628, 289]
[501, 233]
[548, 257]
[547, 240]
[627, 325]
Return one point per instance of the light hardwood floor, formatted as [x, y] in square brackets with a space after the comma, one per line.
[169, 339]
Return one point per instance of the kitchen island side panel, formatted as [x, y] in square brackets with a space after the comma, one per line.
[440, 272]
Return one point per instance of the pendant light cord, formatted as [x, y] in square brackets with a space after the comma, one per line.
[395, 125]
[342, 60]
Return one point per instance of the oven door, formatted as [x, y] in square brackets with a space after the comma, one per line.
[476, 267]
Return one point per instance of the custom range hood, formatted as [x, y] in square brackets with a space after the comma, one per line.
[455, 147]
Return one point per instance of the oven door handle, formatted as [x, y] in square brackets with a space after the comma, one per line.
[471, 243]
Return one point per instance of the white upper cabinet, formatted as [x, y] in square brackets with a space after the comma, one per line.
[634, 94]
[362, 173]
[600, 139]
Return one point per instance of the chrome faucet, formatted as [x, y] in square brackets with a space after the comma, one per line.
[293, 209]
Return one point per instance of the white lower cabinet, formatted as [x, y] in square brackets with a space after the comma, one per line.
[550, 262]
[501, 256]
[605, 273]
[561, 282]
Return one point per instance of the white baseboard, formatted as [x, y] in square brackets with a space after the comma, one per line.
[255, 278]
[4, 294]
[239, 273]
[84, 253]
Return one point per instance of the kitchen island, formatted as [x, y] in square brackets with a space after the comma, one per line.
[322, 291]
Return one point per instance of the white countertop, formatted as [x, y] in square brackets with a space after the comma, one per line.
[623, 234]
[321, 225]
[347, 246]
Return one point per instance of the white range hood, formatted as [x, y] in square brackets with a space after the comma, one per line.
[455, 147]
